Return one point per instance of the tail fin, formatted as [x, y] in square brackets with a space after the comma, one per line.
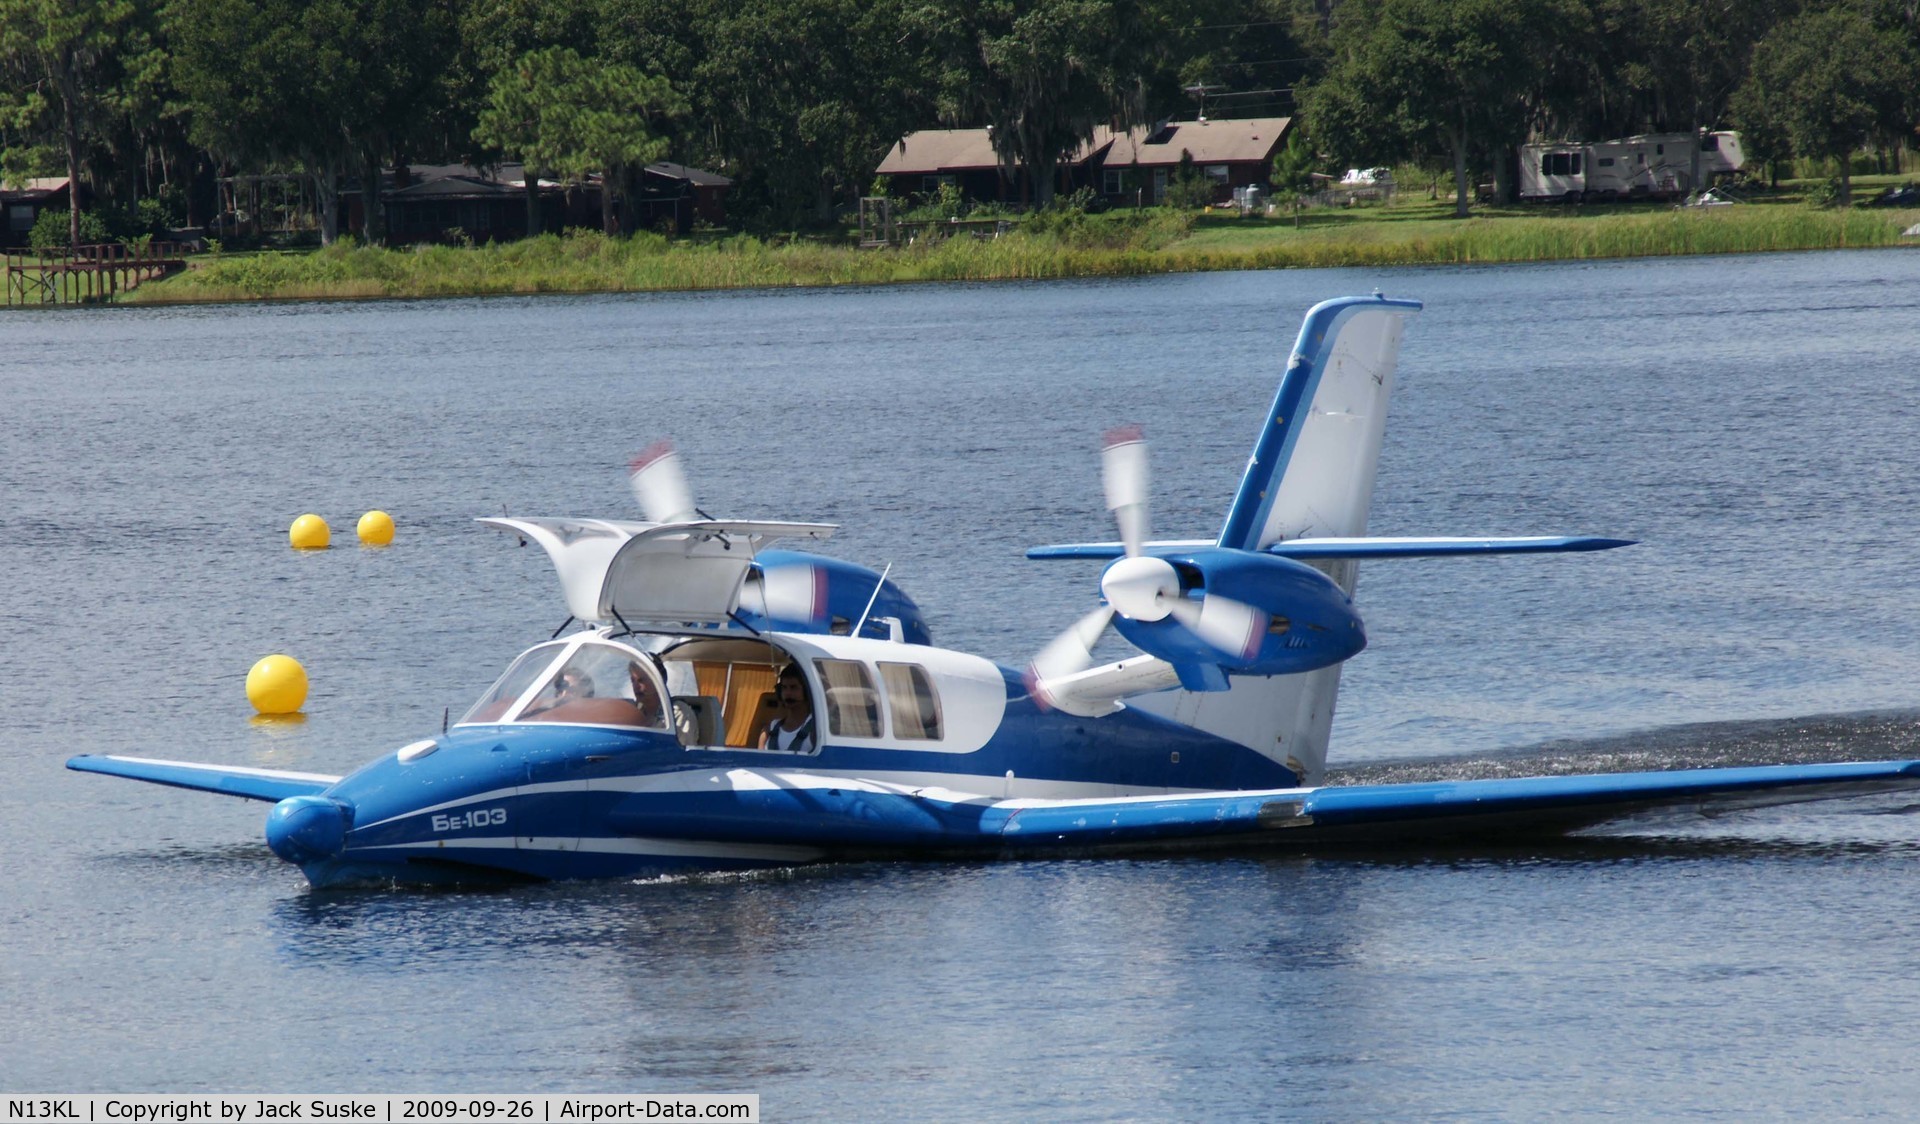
[1311, 473]
[1313, 465]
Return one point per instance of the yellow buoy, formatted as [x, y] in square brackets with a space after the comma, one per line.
[376, 528]
[309, 532]
[277, 685]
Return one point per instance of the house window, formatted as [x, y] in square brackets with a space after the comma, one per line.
[20, 216]
[1112, 181]
[853, 706]
[912, 701]
[1159, 184]
[931, 184]
[1218, 173]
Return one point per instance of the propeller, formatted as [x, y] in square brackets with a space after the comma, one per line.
[790, 591]
[660, 484]
[1140, 586]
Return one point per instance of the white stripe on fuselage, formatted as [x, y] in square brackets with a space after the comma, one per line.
[609, 845]
[952, 788]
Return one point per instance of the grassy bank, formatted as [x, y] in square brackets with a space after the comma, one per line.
[1118, 244]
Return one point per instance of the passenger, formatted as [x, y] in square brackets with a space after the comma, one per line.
[644, 696]
[791, 730]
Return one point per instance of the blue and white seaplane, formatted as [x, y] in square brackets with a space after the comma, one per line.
[727, 706]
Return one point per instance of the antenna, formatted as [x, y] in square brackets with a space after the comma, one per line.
[1199, 91]
[871, 600]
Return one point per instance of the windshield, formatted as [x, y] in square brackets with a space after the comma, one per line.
[600, 685]
[506, 690]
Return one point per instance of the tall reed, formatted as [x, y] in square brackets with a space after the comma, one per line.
[1149, 243]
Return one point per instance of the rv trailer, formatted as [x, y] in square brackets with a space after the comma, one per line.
[1653, 166]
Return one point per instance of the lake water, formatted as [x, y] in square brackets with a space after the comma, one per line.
[1751, 420]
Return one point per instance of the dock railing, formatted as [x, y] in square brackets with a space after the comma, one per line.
[93, 274]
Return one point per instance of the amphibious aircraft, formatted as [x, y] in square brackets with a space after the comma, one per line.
[646, 742]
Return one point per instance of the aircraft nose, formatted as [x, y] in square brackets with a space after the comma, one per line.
[305, 829]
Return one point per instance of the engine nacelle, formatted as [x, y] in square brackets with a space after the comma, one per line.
[1303, 620]
[791, 591]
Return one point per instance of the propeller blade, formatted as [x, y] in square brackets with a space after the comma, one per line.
[1123, 458]
[660, 484]
[793, 591]
[1232, 628]
[1069, 653]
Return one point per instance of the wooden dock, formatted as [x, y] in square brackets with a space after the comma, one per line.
[88, 274]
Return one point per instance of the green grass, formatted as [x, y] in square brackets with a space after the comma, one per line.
[1410, 231]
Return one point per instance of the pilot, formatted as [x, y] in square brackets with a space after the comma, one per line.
[571, 684]
[792, 729]
[644, 696]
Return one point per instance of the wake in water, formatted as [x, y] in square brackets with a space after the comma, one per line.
[1874, 824]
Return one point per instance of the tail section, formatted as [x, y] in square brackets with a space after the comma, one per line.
[1311, 474]
[1313, 465]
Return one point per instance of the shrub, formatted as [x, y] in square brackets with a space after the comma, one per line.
[49, 233]
[1189, 191]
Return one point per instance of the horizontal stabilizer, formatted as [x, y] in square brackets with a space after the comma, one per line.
[228, 780]
[1303, 549]
[1480, 809]
[1306, 549]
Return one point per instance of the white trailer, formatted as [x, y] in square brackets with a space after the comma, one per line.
[1656, 165]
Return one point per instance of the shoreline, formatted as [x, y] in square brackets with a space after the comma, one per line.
[1124, 245]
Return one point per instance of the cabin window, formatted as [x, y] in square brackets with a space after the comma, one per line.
[1112, 181]
[853, 706]
[1606, 161]
[1659, 150]
[912, 701]
[1709, 143]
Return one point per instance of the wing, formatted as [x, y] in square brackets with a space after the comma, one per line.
[227, 780]
[1483, 809]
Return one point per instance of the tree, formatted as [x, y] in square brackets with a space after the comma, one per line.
[56, 57]
[316, 82]
[1042, 73]
[1460, 76]
[1832, 82]
[802, 98]
[1293, 168]
[564, 115]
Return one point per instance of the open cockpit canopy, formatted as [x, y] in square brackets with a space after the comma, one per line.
[653, 573]
[581, 680]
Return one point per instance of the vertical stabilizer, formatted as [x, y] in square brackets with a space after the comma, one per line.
[1311, 474]
[1313, 465]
